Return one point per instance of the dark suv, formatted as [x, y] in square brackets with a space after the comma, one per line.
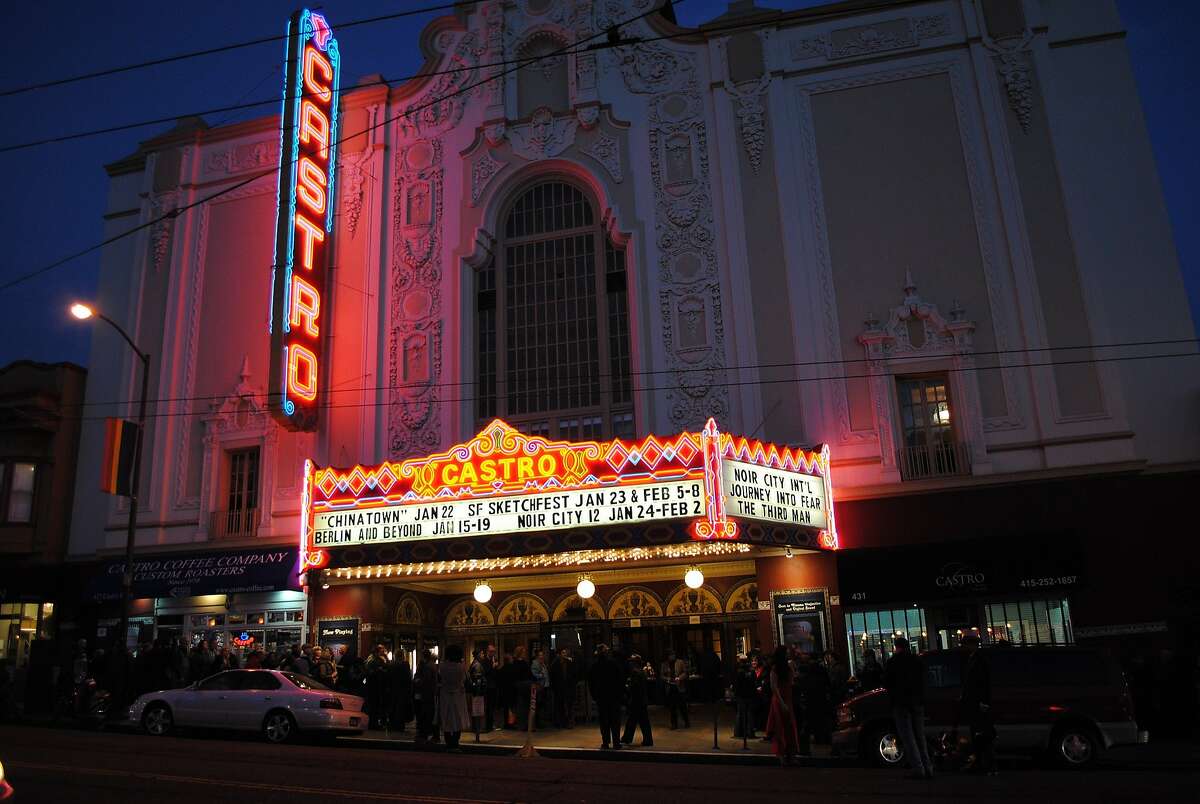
[1071, 703]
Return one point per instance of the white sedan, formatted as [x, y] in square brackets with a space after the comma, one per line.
[275, 703]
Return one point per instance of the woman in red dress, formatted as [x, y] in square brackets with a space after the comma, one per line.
[781, 722]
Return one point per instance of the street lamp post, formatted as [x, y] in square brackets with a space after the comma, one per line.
[84, 312]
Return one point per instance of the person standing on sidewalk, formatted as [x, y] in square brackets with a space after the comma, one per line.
[606, 687]
[781, 722]
[562, 682]
[675, 673]
[744, 693]
[904, 678]
[488, 662]
[541, 686]
[425, 684]
[638, 715]
[976, 706]
[452, 700]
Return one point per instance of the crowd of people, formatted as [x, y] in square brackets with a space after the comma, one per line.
[788, 698]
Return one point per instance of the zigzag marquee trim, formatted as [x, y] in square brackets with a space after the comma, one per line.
[504, 481]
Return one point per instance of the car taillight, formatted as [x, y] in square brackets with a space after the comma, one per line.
[331, 703]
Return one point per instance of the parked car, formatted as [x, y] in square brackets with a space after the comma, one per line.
[275, 703]
[1069, 703]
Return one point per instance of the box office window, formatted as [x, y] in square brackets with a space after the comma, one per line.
[1030, 622]
[876, 631]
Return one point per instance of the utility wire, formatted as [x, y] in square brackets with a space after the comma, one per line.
[652, 372]
[56, 82]
[274, 171]
[274, 101]
[731, 384]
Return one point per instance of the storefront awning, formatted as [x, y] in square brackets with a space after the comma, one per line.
[963, 569]
[210, 572]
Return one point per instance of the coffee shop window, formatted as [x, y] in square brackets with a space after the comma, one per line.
[1030, 622]
[877, 630]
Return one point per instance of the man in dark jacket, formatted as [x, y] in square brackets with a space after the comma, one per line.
[605, 684]
[638, 714]
[904, 678]
[870, 674]
[975, 705]
[562, 683]
[488, 663]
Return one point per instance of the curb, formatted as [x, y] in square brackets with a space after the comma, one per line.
[631, 754]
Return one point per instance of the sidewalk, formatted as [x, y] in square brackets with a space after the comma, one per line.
[583, 742]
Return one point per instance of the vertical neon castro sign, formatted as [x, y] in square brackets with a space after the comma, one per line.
[304, 222]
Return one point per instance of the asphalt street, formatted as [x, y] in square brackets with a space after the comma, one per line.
[61, 765]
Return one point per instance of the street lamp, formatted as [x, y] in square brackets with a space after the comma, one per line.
[84, 312]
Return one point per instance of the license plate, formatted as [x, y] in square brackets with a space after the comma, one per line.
[353, 721]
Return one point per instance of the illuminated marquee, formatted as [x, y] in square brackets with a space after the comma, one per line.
[505, 482]
[304, 223]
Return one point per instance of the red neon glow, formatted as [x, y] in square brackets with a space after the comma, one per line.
[304, 222]
[715, 525]
[314, 127]
[828, 538]
[310, 235]
[310, 186]
[501, 461]
[306, 305]
[313, 61]
[321, 31]
[302, 372]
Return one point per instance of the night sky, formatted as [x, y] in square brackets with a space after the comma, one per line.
[56, 193]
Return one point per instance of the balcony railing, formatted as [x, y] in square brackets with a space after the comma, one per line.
[239, 524]
[934, 460]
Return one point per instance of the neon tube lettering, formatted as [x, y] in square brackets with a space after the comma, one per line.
[306, 305]
[310, 233]
[313, 58]
[314, 125]
[302, 372]
[310, 185]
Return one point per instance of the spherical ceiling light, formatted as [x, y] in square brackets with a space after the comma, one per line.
[694, 578]
[585, 588]
[483, 592]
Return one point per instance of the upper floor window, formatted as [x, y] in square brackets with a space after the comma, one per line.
[240, 517]
[552, 314]
[16, 492]
[926, 420]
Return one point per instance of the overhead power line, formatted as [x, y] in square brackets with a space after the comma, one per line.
[193, 54]
[274, 171]
[242, 104]
[734, 383]
[686, 370]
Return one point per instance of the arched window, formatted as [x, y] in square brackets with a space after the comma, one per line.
[552, 314]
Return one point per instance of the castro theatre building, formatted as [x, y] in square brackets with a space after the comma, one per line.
[458, 358]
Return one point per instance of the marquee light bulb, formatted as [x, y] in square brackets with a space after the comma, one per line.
[694, 578]
[483, 592]
[585, 589]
